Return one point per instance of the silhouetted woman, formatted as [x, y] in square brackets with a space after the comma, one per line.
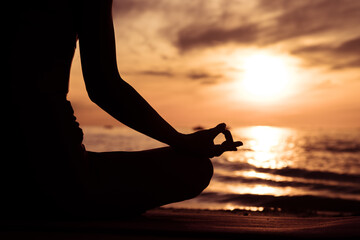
[49, 172]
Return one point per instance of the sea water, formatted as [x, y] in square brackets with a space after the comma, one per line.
[276, 169]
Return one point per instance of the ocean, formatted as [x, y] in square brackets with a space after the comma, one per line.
[277, 169]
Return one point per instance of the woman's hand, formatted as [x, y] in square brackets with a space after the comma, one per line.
[202, 142]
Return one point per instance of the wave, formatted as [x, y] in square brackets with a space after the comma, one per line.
[295, 184]
[291, 172]
[285, 203]
[322, 144]
[333, 149]
[351, 149]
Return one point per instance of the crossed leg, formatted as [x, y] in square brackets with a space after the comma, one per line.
[128, 183]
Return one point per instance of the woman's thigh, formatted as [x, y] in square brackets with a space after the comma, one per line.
[147, 179]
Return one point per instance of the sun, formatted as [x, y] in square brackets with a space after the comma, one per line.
[265, 76]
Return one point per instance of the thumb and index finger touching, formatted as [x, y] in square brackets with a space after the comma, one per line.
[217, 130]
[229, 143]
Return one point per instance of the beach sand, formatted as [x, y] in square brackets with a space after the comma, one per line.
[165, 223]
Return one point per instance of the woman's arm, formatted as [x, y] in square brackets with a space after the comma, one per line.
[108, 90]
[103, 83]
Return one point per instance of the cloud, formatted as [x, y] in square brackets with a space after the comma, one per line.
[270, 22]
[345, 55]
[200, 24]
[350, 64]
[352, 46]
[126, 7]
[307, 17]
[156, 73]
[349, 47]
[193, 36]
[201, 75]
[204, 77]
[173, 27]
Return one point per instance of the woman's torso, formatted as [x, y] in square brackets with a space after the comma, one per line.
[45, 138]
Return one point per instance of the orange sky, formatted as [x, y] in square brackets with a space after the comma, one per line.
[192, 60]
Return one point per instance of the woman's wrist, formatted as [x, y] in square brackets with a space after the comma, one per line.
[177, 139]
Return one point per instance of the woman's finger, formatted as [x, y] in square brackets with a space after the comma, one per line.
[217, 130]
[225, 147]
[231, 146]
[238, 143]
[228, 136]
[218, 150]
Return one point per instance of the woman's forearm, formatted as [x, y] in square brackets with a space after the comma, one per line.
[126, 105]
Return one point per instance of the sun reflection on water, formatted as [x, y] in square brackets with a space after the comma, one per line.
[267, 145]
[258, 189]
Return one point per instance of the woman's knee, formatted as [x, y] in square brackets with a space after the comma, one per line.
[206, 171]
[199, 176]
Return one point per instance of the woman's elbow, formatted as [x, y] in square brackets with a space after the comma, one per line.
[96, 95]
[100, 91]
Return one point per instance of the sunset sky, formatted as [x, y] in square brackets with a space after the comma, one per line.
[260, 62]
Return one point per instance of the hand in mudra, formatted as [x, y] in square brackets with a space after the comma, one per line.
[202, 142]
